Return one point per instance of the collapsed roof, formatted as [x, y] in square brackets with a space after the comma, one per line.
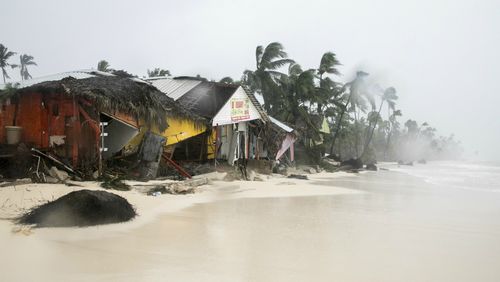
[114, 94]
[202, 97]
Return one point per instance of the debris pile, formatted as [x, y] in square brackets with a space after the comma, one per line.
[298, 176]
[115, 183]
[351, 164]
[177, 188]
[372, 167]
[194, 168]
[80, 208]
[329, 164]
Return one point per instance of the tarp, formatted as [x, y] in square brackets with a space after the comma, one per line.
[289, 140]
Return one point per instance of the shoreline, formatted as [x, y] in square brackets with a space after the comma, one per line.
[390, 224]
[15, 200]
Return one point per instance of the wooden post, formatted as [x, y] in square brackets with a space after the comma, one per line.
[101, 144]
[76, 133]
[96, 125]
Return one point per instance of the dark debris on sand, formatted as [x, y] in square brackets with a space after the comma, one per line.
[298, 176]
[80, 208]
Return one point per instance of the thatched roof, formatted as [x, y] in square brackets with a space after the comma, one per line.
[118, 94]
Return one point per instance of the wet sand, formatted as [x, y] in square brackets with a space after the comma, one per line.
[385, 226]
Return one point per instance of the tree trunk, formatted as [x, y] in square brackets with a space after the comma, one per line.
[339, 123]
[372, 129]
[390, 132]
[356, 133]
[319, 105]
[387, 144]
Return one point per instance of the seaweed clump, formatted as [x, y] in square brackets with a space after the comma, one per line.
[80, 208]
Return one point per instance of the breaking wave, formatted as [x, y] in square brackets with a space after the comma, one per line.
[480, 176]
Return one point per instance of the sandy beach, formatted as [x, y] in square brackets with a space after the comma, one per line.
[376, 226]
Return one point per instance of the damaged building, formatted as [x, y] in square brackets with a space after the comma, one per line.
[81, 119]
[240, 127]
[85, 122]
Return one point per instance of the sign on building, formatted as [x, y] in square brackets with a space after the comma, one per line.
[240, 109]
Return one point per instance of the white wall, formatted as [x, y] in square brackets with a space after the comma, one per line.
[119, 134]
[224, 115]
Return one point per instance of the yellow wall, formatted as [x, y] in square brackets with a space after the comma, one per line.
[177, 131]
[211, 144]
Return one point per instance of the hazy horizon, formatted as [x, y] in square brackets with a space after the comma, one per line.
[441, 56]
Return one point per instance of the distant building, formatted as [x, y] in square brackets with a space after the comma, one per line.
[241, 129]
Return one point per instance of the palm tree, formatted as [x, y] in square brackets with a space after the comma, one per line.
[354, 91]
[388, 96]
[327, 87]
[412, 127]
[268, 60]
[25, 61]
[5, 54]
[158, 72]
[296, 88]
[103, 66]
[393, 125]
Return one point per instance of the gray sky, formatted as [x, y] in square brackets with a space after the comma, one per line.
[442, 56]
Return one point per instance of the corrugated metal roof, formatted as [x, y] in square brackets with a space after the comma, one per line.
[259, 98]
[79, 74]
[174, 88]
[280, 124]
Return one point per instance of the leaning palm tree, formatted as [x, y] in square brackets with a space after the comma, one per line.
[25, 61]
[389, 96]
[5, 54]
[394, 125]
[327, 87]
[297, 87]
[268, 60]
[355, 90]
[103, 66]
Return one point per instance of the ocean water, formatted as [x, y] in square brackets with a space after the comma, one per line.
[434, 222]
[477, 176]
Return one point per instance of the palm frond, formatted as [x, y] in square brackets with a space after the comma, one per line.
[274, 73]
[5, 55]
[390, 94]
[294, 69]
[328, 64]
[5, 73]
[273, 51]
[279, 63]
[258, 55]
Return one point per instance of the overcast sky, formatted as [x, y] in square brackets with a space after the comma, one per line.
[441, 56]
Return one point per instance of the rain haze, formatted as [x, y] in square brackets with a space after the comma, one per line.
[244, 162]
[441, 56]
